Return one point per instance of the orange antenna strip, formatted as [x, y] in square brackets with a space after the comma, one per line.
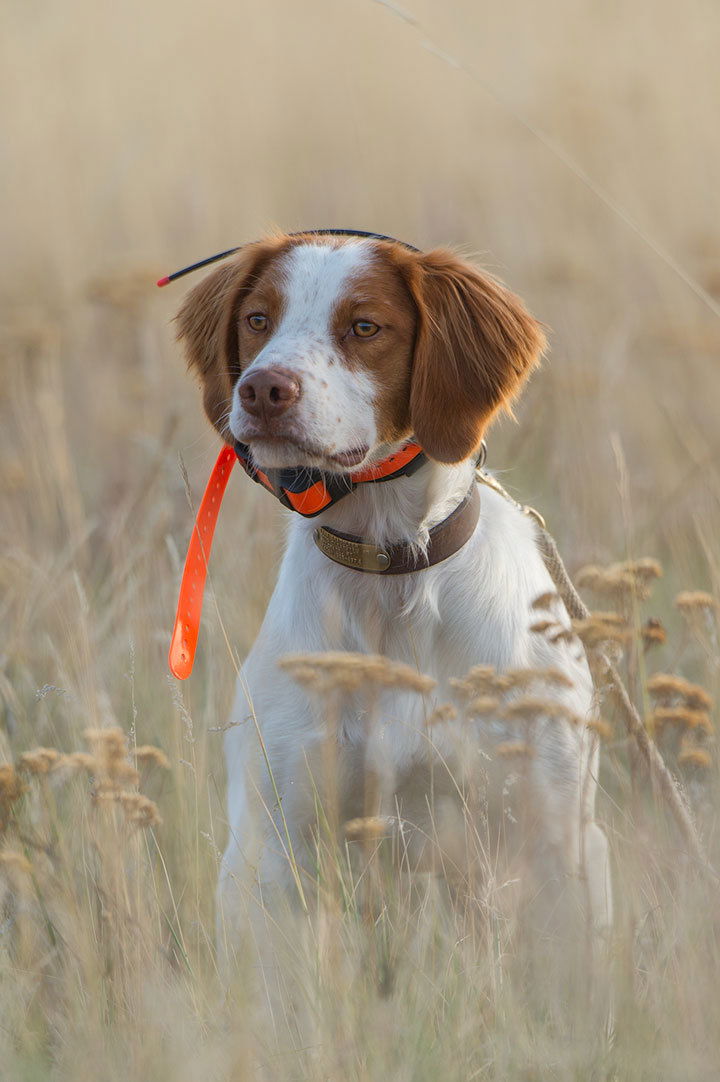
[189, 609]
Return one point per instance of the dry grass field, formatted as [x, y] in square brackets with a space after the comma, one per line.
[140, 137]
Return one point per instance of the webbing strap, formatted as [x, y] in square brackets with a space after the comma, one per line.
[189, 608]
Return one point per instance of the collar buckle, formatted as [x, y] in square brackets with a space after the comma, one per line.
[402, 557]
[360, 555]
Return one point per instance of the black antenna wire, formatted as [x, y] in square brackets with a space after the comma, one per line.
[304, 232]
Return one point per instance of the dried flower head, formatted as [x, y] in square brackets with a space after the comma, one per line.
[516, 749]
[368, 828]
[621, 581]
[609, 619]
[483, 684]
[690, 601]
[113, 773]
[125, 774]
[693, 756]
[646, 569]
[600, 628]
[11, 789]
[149, 755]
[39, 761]
[540, 627]
[110, 757]
[108, 746]
[441, 714]
[524, 678]
[350, 672]
[681, 717]
[140, 810]
[603, 729]
[482, 680]
[700, 612]
[482, 706]
[667, 689]
[531, 707]
[653, 633]
[546, 600]
[82, 760]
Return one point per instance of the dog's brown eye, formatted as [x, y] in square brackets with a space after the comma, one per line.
[363, 328]
[258, 321]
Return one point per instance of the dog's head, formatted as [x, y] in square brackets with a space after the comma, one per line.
[322, 351]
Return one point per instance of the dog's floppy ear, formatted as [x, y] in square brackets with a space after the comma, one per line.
[476, 344]
[207, 326]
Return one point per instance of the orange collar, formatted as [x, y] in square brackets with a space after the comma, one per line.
[306, 491]
[310, 491]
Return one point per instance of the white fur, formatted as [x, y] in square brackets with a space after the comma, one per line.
[335, 412]
[473, 608]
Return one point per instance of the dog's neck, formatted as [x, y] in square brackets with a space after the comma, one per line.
[403, 509]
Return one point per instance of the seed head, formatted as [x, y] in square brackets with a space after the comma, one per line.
[653, 633]
[368, 828]
[349, 672]
[682, 717]
[603, 729]
[11, 789]
[483, 680]
[482, 706]
[646, 568]
[441, 714]
[690, 601]
[140, 810]
[39, 761]
[516, 749]
[621, 581]
[601, 627]
[152, 756]
[482, 686]
[108, 746]
[110, 756]
[693, 756]
[546, 600]
[523, 678]
[82, 760]
[531, 707]
[125, 774]
[540, 627]
[667, 689]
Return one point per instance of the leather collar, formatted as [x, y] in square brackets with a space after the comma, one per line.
[400, 557]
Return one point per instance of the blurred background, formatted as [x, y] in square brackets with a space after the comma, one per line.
[141, 137]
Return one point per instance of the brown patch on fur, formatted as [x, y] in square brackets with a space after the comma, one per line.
[454, 349]
[208, 325]
[476, 345]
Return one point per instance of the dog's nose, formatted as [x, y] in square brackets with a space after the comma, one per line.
[269, 392]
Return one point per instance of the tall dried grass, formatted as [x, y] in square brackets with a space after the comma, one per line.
[140, 137]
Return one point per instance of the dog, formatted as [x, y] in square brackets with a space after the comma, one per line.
[357, 378]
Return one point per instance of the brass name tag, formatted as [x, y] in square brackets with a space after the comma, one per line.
[357, 554]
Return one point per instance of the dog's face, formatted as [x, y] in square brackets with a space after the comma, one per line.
[321, 351]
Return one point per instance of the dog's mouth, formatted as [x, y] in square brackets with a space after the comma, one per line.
[285, 453]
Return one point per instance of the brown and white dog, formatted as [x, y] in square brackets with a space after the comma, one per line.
[331, 352]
